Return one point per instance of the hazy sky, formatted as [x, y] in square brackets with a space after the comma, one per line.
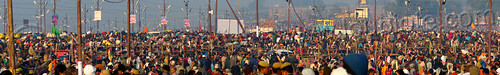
[25, 9]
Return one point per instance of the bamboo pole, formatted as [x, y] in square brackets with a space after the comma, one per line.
[11, 37]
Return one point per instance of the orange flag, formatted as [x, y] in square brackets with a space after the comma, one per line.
[472, 25]
[145, 30]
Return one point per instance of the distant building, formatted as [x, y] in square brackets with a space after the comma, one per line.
[346, 15]
[266, 26]
[362, 12]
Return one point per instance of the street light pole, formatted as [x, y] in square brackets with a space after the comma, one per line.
[288, 21]
[440, 15]
[97, 21]
[375, 25]
[54, 11]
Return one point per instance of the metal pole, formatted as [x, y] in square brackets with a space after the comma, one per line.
[85, 19]
[288, 20]
[139, 15]
[128, 29]
[54, 11]
[375, 25]
[407, 14]
[11, 37]
[40, 17]
[164, 14]
[238, 20]
[199, 20]
[187, 12]
[314, 10]
[216, 5]
[44, 18]
[97, 21]
[440, 15]
[489, 27]
[133, 8]
[5, 14]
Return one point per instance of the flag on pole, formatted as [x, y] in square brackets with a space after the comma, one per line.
[472, 25]
[145, 30]
[55, 31]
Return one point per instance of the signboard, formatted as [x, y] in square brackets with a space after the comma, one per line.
[186, 23]
[229, 26]
[97, 15]
[25, 22]
[54, 19]
[324, 25]
[132, 19]
[164, 20]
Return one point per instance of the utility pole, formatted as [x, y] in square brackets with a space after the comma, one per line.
[408, 15]
[11, 36]
[5, 26]
[164, 14]
[129, 45]
[79, 37]
[133, 12]
[139, 15]
[375, 25]
[238, 9]
[187, 12]
[440, 15]
[39, 17]
[146, 24]
[85, 19]
[209, 18]
[216, 5]
[314, 10]
[44, 17]
[54, 11]
[97, 21]
[288, 21]
[199, 20]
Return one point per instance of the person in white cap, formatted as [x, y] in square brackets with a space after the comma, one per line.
[308, 71]
[89, 70]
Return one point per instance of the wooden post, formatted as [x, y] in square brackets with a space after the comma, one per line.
[11, 37]
[489, 29]
[128, 29]
[209, 18]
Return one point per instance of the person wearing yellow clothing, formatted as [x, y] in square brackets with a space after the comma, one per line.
[384, 69]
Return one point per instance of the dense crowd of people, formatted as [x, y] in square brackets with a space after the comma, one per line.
[294, 52]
